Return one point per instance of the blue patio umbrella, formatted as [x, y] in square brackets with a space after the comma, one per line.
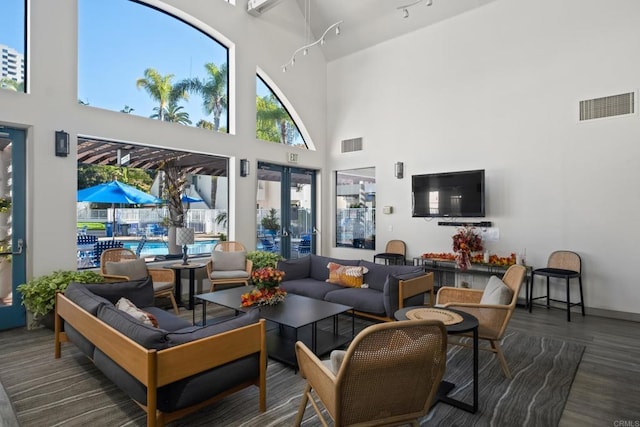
[116, 192]
[189, 199]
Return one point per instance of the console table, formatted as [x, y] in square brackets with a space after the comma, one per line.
[441, 267]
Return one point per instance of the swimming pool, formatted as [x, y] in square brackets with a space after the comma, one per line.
[152, 248]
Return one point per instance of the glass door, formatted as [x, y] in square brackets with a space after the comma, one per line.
[286, 211]
[12, 226]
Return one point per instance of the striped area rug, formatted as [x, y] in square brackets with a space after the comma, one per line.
[71, 392]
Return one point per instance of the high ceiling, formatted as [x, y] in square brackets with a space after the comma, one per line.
[369, 22]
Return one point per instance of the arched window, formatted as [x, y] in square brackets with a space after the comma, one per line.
[273, 121]
[139, 60]
[13, 45]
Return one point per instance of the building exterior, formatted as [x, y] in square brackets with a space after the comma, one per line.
[12, 64]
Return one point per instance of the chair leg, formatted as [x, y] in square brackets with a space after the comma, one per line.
[495, 345]
[568, 302]
[581, 297]
[303, 405]
[176, 310]
[548, 292]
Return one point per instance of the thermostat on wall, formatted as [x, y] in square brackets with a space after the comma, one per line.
[387, 210]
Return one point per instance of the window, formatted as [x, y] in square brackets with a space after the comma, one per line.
[12, 45]
[273, 121]
[356, 208]
[166, 69]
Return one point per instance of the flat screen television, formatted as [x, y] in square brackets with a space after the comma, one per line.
[451, 194]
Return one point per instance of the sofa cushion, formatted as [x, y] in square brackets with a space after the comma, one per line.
[318, 269]
[309, 287]
[87, 300]
[228, 261]
[167, 320]
[138, 314]
[392, 292]
[346, 275]
[139, 292]
[361, 299]
[295, 268]
[377, 275]
[191, 334]
[145, 335]
[134, 269]
[496, 292]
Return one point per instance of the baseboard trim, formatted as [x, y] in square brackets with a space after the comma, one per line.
[612, 314]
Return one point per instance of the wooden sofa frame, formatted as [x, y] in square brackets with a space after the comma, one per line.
[407, 289]
[156, 368]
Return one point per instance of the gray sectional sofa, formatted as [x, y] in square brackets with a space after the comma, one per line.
[169, 370]
[389, 287]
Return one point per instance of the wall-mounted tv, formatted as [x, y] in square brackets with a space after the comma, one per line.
[451, 194]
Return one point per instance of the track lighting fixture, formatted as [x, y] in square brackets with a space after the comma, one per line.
[405, 8]
[305, 49]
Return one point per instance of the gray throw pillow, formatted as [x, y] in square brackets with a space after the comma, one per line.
[134, 269]
[496, 292]
[227, 261]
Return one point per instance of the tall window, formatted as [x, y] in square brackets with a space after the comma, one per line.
[138, 60]
[273, 121]
[356, 208]
[12, 45]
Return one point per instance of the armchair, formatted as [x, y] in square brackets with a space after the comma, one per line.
[389, 375]
[229, 265]
[493, 307]
[123, 264]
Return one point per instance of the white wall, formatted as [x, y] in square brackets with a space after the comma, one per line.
[52, 104]
[498, 89]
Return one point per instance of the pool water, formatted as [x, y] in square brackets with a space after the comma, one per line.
[160, 248]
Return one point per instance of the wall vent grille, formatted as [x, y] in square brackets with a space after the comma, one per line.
[609, 106]
[353, 144]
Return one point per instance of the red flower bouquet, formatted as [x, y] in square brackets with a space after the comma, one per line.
[466, 241]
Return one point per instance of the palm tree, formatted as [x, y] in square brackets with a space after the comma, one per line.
[160, 89]
[172, 114]
[8, 83]
[273, 118]
[213, 90]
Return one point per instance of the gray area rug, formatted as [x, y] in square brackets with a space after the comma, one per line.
[71, 392]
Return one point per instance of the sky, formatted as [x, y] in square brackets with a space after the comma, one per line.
[118, 40]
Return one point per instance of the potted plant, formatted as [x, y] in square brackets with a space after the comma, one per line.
[262, 259]
[270, 221]
[39, 293]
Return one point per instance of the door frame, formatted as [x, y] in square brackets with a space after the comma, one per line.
[13, 316]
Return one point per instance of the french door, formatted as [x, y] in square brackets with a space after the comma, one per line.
[286, 210]
[12, 225]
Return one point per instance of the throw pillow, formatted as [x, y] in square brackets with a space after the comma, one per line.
[229, 261]
[346, 275]
[496, 292]
[134, 269]
[128, 307]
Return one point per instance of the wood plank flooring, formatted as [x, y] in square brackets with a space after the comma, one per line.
[606, 389]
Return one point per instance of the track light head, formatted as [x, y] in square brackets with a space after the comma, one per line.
[405, 13]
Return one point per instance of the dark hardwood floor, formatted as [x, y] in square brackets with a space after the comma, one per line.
[606, 389]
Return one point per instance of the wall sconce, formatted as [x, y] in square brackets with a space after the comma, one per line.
[399, 170]
[62, 143]
[244, 167]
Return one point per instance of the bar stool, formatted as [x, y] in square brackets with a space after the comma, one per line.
[561, 265]
[394, 253]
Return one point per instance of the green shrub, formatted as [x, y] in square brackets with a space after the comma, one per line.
[39, 293]
[263, 259]
[96, 226]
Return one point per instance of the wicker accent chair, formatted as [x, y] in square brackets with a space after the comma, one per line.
[229, 265]
[493, 318]
[389, 375]
[163, 278]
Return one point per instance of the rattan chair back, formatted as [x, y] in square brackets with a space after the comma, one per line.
[565, 260]
[396, 247]
[229, 246]
[115, 255]
[390, 374]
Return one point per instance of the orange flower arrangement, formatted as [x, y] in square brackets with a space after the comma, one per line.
[267, 292]
[466, 241]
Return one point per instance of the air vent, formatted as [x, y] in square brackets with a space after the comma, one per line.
[353, 144]
[609, 106]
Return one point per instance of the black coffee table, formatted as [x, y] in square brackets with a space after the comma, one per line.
[294, 319]
[469, 324]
